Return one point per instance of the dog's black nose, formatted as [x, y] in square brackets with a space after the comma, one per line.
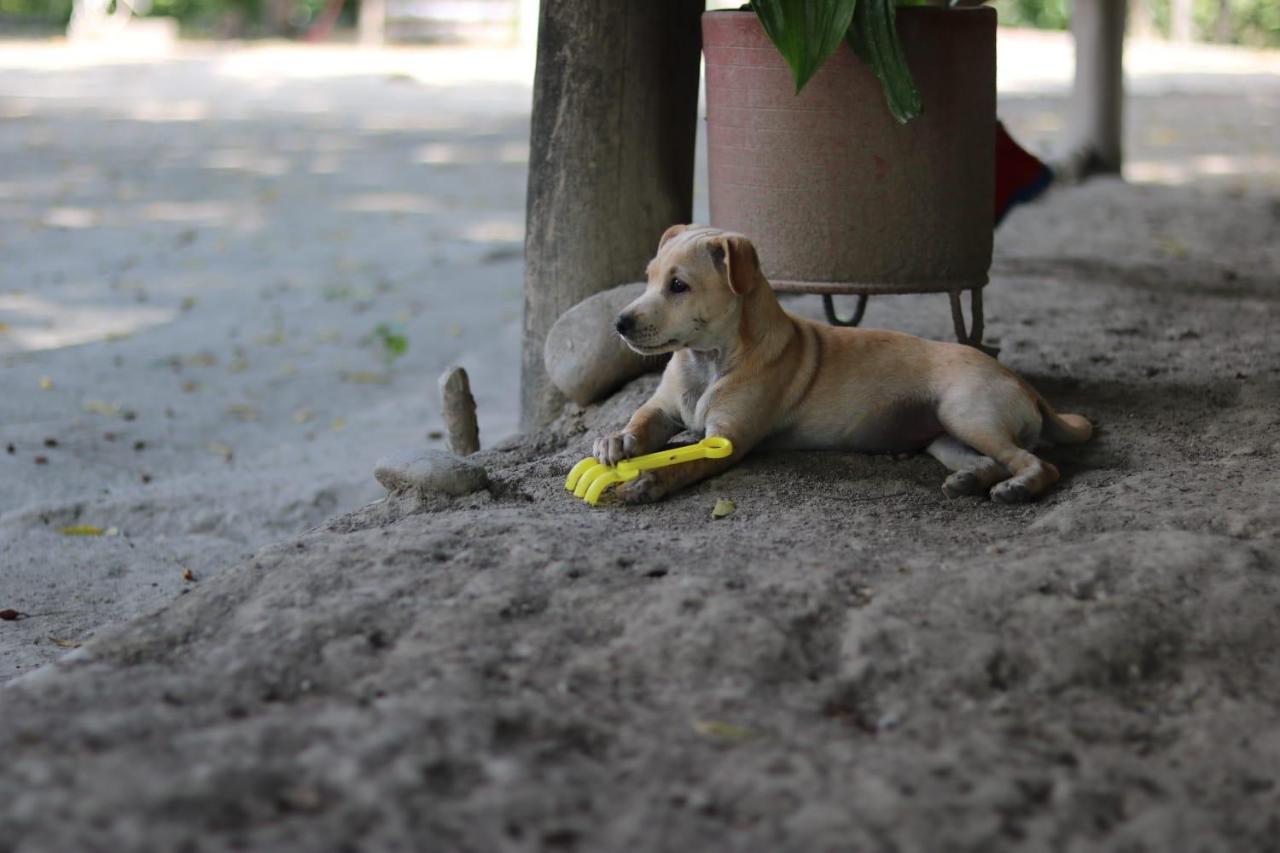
[624, 323]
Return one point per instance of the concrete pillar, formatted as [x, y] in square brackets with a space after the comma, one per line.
[1097, 113]
[372, 22]
[615, 100]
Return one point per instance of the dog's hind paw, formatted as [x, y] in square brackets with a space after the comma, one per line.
[960, 484]
[1011, 492]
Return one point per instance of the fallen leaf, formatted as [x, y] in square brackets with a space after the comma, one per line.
[200, 359]
[364, 377]
[45, 383]
[190, 386]
[4, 327]
[112, 337]
[242, 411]
[238, 365]
[435, 435]
[288, 369]
[187, 303]
[723, 508]
[1171, 247]
[301, 416]
[188, 575]
[221, 449]
[721, 730]
[12, 615]
[274, 339]
[42, 460]
[64, 644]
[454, 330]
[100, 407]
[338, 424]
[81, 530]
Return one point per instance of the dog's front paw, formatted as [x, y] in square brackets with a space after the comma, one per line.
[611, 449]
[644, 489]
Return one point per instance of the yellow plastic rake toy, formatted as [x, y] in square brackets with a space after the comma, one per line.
[590, 478]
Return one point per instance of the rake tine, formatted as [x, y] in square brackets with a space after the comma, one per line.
[577, 472]
[598, 486]
[588, 477]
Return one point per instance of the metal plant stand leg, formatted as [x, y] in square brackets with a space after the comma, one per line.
[973, 335]
[829, 305]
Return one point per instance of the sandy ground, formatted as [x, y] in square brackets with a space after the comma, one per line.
[850, 661]
[199, 243]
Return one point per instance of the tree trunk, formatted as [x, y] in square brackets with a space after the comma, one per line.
[611, 158]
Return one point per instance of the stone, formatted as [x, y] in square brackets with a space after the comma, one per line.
[430, 472]
[584, 356]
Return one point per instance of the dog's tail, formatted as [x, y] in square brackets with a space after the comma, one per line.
[1063, 428]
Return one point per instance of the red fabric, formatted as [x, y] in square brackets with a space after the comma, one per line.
[1020, 175]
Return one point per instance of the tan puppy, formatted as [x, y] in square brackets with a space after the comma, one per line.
[747, 370]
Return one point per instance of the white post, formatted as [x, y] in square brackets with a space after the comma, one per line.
[1097, 114]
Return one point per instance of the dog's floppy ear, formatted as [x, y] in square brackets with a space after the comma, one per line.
[669, 233]
[735, 255]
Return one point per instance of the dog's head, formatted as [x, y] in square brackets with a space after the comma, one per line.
[697, 283]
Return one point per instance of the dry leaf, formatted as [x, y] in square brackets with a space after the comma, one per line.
[81, 530]
[274, 339]
[64, 644]
[100, 407]
[4, 327]
[238, 365]
[338, 424]
[242, 411]
[191, 386]
[365, 377]
[45, 383]
[721, 730]
[301, 416]
[188, 575]
[288, 368]
[723, 508]
[221, 449]
[454, 330]
[12, 615]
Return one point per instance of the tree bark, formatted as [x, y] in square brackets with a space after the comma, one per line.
[611, 158]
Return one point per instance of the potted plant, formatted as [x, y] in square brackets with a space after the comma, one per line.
[853, 139]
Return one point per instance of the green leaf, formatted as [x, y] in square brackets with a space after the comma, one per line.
[806, 32]
[874, 38]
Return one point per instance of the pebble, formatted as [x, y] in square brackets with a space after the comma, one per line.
[430, 472]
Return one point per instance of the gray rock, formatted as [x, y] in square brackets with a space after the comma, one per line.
[584, 357]
[430, 472]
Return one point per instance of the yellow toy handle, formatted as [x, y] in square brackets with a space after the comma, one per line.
[712, 447]
[590, 478]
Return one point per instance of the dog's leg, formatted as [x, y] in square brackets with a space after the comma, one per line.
[657, 484]
[973, 473]
[650, 428]
[1031, 474]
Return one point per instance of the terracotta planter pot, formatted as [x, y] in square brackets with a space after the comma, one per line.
[832, 190]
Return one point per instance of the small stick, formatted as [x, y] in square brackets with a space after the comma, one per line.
[459, 409]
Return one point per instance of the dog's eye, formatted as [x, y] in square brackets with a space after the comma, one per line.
[677, 286]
